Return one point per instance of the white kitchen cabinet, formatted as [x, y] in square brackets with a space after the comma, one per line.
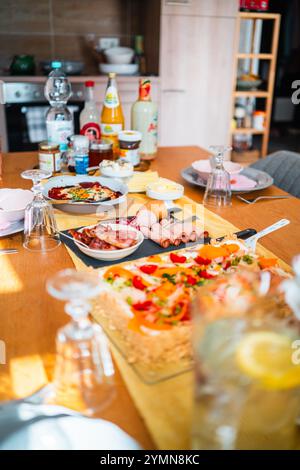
[225, 8]
[196, 71]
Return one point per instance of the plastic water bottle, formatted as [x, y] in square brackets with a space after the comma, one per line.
[59, 120]
[81, 153]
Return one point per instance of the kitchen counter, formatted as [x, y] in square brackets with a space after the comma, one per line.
[74, 79]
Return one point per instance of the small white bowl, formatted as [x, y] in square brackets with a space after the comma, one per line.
[159, 190]
[13, 203]
[115, 171]
[120, 69]
[203, 168]
[106, 255]
[119, 55]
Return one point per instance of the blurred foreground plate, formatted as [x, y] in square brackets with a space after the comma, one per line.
[69, 433]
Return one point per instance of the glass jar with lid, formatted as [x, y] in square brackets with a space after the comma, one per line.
[49, 156]
[100, 150]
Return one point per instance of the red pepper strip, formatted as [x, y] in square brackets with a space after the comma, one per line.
[182, 302]
[202, 261]
[137, 282]
[146, 306]
[177, 259]
[148, 268]
[191, 280]
[205, 275]
[227, 265]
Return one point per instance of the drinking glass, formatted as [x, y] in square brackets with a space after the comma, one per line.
[237, 406]
[84, 372]
[218, 189]
[40, 231]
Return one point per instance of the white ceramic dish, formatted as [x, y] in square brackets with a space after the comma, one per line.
[82, 207]
[119, 55]
[13, 203]
[113, 169]
[106, 255]
[110, 173]
[203, 168]
[159, 190]
[68, 433]
[262, 179]
[120, 69]
[14, 227]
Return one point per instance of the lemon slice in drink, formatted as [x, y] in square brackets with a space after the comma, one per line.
[267, 357]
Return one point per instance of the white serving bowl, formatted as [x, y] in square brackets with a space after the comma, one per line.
[119, 55]
[120, 69]
[203, 168]
[106, 255]
[85, 207]
[13, 203]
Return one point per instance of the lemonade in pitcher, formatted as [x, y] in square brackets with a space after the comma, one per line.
[247, 393]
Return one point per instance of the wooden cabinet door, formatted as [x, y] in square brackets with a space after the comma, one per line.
[200, 7]
[196, 64]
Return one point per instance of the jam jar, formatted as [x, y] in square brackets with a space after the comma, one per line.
[129, 143]
[100, 150]
[49, 157]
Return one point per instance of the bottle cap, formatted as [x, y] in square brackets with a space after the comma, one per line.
[80, 141]
[89, 83]
[130, 136]
[112, 75]
[101, 144]
[56, 64]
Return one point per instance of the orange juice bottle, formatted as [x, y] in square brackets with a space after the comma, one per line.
[112, 118]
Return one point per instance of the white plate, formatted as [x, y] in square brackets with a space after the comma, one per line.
[106, 255]
[69, 433]
[85, 207]
[263, 180]
[120, 69]
[13, 228]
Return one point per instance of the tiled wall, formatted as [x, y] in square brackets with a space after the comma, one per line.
[56, 29]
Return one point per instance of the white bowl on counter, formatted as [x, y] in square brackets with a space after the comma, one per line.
[85, 207]
[203, 168]
[13, 203]
[120, 69]
[113, 255]
[119, 55]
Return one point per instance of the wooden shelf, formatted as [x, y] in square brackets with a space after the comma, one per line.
[254, 93]
[254, 56]
[248, 130]
[245, 15]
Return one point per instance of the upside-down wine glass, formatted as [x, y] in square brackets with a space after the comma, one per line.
[218, 189]
[84, 371]
[40, 231]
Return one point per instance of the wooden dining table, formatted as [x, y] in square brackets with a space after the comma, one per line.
[30, 318]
